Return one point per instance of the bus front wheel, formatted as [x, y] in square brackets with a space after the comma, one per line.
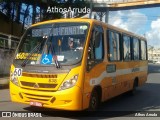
[94, 101]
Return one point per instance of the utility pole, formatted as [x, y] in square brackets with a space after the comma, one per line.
[91, 6]
[106, 16]
[34, 13]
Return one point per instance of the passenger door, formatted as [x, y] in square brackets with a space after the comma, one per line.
[95, 65]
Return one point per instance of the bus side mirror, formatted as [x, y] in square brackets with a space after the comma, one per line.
[96, 36]
[97, 40]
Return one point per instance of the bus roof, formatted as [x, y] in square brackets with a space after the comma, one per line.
[65, 20]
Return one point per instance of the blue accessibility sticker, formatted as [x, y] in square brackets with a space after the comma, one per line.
[46, 59]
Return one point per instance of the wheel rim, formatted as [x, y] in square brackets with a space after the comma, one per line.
[94, 102]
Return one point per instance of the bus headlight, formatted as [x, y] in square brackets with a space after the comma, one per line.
[14, 79]
[69, 83]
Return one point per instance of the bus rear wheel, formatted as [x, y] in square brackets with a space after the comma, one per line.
[135, 85]
[94, 101]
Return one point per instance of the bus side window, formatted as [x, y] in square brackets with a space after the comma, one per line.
[126, 48]
[136, 49]
[96, 47]
[143, 50]
[114, 46]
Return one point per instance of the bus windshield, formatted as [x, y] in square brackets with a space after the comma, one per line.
[50, 44]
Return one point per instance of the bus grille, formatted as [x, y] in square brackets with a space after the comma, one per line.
[28, 84]
[38, 85]
[39, 75]
[37, 97]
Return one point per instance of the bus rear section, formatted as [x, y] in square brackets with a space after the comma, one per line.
[117, 63]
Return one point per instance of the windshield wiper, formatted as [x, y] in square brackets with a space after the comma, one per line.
[35, 48]
[57, 64]
[55, 57]
[31, 53]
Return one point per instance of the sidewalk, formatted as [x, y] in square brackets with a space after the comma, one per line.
[4, 81]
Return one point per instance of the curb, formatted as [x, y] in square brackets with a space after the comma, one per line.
[4, 81]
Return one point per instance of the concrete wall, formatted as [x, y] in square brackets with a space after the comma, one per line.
[6, 55]
[6, 58]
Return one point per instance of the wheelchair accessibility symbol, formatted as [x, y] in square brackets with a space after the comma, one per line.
[46, 59]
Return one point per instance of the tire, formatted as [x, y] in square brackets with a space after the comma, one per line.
[94, 101]
[135, 85]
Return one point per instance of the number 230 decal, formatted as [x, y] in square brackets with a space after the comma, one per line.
[18, 72]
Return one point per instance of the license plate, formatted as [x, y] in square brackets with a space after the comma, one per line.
[33, 103]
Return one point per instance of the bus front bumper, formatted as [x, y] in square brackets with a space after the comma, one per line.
[69, 99]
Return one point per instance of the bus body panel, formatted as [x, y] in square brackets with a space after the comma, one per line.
[68, 99]
[113, 84]
[111, 87]
[65, 100]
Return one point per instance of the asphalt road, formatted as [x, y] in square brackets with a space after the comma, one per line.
[147, 98]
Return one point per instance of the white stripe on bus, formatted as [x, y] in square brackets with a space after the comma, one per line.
[104, 74]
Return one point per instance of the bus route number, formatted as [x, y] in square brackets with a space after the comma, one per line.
[18, 72]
